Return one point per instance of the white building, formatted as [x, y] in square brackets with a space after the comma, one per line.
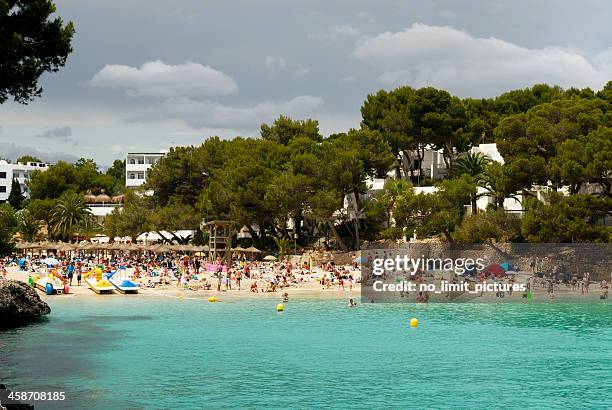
[434, 168]
[21, 172]
[137, 165]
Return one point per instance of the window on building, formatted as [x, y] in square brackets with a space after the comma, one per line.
[3, 175]
[132, 161]
[141, 175]
[2, 188]
[132, 176]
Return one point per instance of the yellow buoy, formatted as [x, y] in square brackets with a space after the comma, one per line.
[414, 322]
[280, 307]
[212, 299]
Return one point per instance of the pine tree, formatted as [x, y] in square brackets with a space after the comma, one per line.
[16, 197]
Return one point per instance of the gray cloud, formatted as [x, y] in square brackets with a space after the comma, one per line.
[209, 114]
[329, 50]
[60, 133]
[13, 151]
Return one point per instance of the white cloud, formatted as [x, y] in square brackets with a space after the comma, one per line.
[345, 30]
[337, 34]
[276, 63]
[348, 79]
[453, 59]
[209, 114]
[157, 79]
[301, 70]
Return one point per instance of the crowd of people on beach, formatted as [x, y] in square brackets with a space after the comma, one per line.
[194, 273]
[190, 272]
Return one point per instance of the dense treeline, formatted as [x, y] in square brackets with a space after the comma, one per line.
[554, 138]
[56, 203]
[547, 135]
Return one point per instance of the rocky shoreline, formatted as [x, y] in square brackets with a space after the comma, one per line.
[19, 304]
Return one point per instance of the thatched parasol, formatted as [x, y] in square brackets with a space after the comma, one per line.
[116, 246]
[252, 249]
[47, 245]
[66, 247]
[180, 248]
[22, 245]
[86, 246]
[161, 248]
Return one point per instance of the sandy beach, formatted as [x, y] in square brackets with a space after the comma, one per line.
[311, 289]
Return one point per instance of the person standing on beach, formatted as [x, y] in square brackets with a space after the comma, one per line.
[70, 273]
[78, 273]
[585, 282]
[238, 278]
[219, 277]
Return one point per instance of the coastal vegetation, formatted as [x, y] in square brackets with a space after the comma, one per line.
[292, 175]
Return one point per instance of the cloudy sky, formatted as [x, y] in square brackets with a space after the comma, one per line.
[147, 74]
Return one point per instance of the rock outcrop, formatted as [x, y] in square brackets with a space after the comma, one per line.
[19, 304]
[9, 404]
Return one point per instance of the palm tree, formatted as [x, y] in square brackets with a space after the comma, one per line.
[472, 166]
[282, 244]
[69, 212]
[89, 228]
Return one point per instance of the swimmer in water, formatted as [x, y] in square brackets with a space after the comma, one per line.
[285, 297]
[352, 303]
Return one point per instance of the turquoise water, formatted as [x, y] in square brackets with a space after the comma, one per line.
[167, 353]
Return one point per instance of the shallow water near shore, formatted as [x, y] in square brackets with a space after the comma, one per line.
[171, 353]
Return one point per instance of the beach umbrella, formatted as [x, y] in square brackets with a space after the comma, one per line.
[270, 258]
[50, 261]
[116, 246]
[86, 246]
[161, 248]
[182, 248]
[508, 266]
[238, 249]
[131, 247]
[252, 249]
[22, 245]
[53, 246]
[495, 270]
[66, 247]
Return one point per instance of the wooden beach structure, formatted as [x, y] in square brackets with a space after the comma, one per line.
[220, 240]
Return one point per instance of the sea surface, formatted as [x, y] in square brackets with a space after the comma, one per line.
[122, 352]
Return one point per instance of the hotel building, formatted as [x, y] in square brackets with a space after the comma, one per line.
[137, 165]
[21, 172]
